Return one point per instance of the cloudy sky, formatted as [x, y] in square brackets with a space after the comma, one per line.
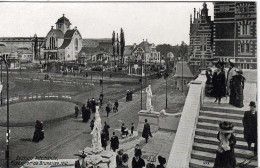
[159, 22]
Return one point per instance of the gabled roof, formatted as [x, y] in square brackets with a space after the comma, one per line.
[65, 43]
[69, 33]
[144, 45]
[187, 72]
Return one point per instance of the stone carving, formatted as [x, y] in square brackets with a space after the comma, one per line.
[96, 133]
[149, 106]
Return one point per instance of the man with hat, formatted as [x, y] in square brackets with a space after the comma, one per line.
[250, 126]
[225, 156]
[218, 81]
[162, 162]
[231, 72]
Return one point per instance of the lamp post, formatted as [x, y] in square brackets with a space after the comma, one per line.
[140, 53]
[7, 104]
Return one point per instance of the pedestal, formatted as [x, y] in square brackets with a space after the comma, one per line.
[152, 119]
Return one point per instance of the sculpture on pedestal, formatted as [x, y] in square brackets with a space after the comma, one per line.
[96, 133]
[149, 106]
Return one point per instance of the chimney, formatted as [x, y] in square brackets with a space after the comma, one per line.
[63, 15]
[51, 27]
[75, 28]
[197, 15]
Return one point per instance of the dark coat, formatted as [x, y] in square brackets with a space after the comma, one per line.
[89, 104]
[92, 124]
[250, 126]
[87, 114]
[226, 159]
[108, 110]
[83, 110]
[106, 129]
[114, 142]
[38, 133]
[236, 90]
[116, 104]
[104, 139]
[219, 84]
[118, 160]
[146, 131]
[138, 164]
[93, 106]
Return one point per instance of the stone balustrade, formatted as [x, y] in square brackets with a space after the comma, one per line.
[182, 146]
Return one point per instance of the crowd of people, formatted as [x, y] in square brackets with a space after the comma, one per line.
[225, 154]
[221, 84]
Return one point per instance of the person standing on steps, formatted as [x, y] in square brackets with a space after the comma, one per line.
[225, 157]
[219, 84]
[231, 72]
[146, 131]
[250, 126]
[114, 142]
[137, 161]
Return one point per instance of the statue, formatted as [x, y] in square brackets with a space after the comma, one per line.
[96, 133]
[149, 106]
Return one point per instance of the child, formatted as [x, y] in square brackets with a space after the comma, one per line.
[132, 129]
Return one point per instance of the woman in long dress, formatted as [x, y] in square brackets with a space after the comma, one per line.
[225, 157]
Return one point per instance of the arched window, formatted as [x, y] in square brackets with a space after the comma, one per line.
[76, 44]
[52, 43]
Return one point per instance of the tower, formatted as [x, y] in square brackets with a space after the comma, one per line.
[63, 24]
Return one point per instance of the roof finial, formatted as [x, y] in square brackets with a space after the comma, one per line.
[63, 15]
[51, 27]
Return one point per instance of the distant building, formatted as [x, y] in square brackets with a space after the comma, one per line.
[149, 57]
[235, 33]
[62, 43]
[201, 38]
[25, 54]
[184, 74]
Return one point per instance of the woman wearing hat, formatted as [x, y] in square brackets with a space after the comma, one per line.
[236, 89]
[231, 72]
[250, 126]
[219, 84]
[119, 157]
[225, 157]
[137, 161]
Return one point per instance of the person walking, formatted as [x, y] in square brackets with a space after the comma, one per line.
[132, 129]
[138, 149]
[104, 139]
[119, 157]
[89, 104]
[131, 95]
[250, 126]
[146, 131]
[108, 110]
[218, 81]
[116, 104]
[92, 123]
[83, 110]
[88, 113]
[101, 97]
[106, 129]
[39, 132]
[76, 110]
[93, 105]
[237, 89]
[137, 161]
[114, 142]
[127, 96]
[124, 130]
[225, 157]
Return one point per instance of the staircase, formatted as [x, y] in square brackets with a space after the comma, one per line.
[205, 141]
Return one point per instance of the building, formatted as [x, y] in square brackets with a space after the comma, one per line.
[62, 43]
[201, 38]
[25, 54]
[144, 54]
[184, 74]
[235, 33]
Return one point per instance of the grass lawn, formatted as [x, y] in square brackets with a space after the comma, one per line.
[28, 112]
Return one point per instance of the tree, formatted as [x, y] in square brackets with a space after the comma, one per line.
[117, 47]
[113, 44]
[122, 44]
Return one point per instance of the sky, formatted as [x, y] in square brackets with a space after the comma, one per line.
[158, 22]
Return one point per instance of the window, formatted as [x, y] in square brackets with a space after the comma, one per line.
[224, 8]
[244, 48]
[203, 41]
[76, 44]
[245, 29]
[59, 25]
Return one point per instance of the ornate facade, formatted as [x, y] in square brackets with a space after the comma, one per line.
[235, 33]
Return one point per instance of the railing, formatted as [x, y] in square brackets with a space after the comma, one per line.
[182, 146]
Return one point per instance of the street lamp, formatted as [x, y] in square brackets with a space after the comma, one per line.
[140, 53]
[7, 103]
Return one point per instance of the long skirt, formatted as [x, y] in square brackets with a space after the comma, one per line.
[225, 160]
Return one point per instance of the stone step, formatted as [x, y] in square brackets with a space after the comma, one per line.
[215, 126]
[215, 141]
[217, 120]
[222, 115]
[223, 110]
[209, 159]
[196, 163]
[214, 133]
[212, 149]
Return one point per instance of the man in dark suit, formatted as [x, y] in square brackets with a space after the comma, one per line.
[108, 110]
[146, 131]
[250, 126]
